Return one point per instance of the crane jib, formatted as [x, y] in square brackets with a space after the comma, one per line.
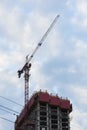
[44, 37]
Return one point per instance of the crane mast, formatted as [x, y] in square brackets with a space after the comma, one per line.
[26, 68]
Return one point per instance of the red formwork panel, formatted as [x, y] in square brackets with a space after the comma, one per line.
[54, 100]
[65, 104]
[43, 97]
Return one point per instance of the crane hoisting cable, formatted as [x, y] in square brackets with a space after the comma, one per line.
[26, 68]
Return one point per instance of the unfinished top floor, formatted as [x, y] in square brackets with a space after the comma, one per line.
[43, 103]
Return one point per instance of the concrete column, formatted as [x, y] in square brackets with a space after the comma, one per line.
[58, 116]
[38, 116]
[47, 109]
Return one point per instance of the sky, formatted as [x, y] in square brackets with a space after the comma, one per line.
[59, 66]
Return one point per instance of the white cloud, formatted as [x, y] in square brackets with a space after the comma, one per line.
[82, 7]
[80, 22]
[80, 48]
[38, 77]
[80, 14]
[1, 125]
[22, 32]
[13, 28]
[69, 4]
[54, 44]
[78, 121]
[78, 53]
[80, 94]
[10, 20]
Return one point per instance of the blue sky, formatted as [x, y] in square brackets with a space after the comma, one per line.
[60, 65]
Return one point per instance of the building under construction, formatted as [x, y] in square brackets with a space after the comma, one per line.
[45, 111]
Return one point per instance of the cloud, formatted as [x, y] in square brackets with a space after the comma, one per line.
[80, 15]
[81, 7]
[2, 124]
[10, 20]
[80, 95]
[59, 66]
[76, 122]
[69, 4]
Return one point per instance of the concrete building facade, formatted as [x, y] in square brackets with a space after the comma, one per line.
[45, 112]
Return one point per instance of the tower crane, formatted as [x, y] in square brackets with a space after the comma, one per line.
[26, 68]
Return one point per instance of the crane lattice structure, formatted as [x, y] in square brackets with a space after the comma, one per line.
[26, 68]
